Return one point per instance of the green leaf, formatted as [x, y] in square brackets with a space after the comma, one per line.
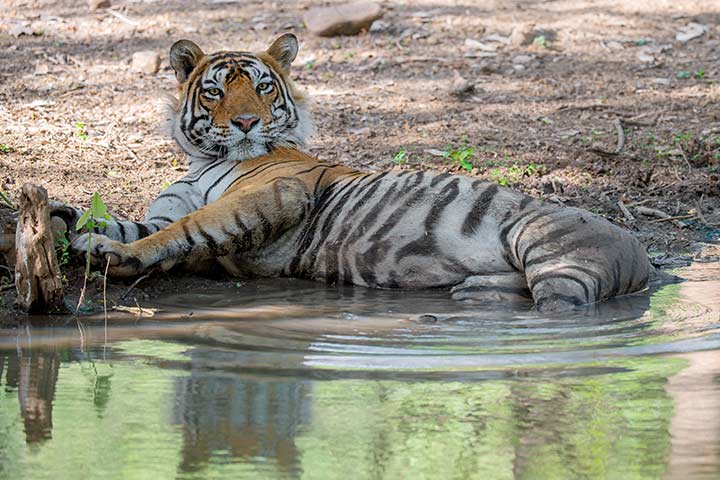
[83, 220]
[98, 206]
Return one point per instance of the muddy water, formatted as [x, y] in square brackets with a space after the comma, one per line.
[287, 379]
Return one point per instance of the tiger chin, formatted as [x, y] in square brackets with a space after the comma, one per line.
[253, 203]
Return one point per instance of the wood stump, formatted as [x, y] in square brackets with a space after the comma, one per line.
[37, 273]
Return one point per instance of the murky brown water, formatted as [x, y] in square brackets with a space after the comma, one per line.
[288, 379]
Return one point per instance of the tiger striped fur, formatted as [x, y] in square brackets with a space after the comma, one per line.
[259, 206]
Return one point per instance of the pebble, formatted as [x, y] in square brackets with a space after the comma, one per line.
[495, 37]
[343, 19]
[522, 59]
[522, 34]
[661, 81]
[645, 58]
[378, 26]
[146, 62]
[97, 4]
[362, 132]
[460, 87]
[18, 30]
[690, 31]
[485, 47]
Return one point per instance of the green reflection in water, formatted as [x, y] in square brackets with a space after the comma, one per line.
[139, 418]
[609, 426]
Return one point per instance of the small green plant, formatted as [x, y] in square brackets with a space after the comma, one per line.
[94, 217]
[499, 177]
[651, 140]
[681, 138]
[80, 131]
[541, 41]
[641, 42]
[700, 74]
[512, 174]
[62, 247]
[682, 74]
[6, 148]
[401, 157]
[462, 156]
[310, 64]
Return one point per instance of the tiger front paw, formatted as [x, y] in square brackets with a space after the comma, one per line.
[103, 251]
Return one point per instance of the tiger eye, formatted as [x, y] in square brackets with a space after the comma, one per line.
[213, 91]
[264, 87]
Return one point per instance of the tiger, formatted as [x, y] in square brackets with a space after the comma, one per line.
[254, 203]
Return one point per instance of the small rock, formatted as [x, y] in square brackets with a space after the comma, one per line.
[690, 31]
[494, 37]
[41, 69]
[475, 45]
[522, 34]
[460, 87]
[522, 59]
[476, 54]
[97, 4]
[614, 46]
[487, 68]
[661, 81]
[344, 19]
[146, 62]
[435, 152]
[645, 57]
[18, 30]
[378, 26]
[363, 132]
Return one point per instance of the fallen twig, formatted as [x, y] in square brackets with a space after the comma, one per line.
[636, 122]
[698, 209]
[134, 284]
[620, 135]
[594, 106]
[675, 217]
[138, 310]
[123, 18]
[620, 141]
[640, 202]
[651, 212]
[107, 267]
[625, 211]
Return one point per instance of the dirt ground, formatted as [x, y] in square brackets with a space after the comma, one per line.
[593, 104]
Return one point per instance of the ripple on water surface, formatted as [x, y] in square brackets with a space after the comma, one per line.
[289, 379]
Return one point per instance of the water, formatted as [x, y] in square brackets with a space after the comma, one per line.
[290, 379]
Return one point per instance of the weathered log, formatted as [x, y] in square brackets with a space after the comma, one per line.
[37, 273]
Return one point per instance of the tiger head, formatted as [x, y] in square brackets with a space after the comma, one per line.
[237, 105]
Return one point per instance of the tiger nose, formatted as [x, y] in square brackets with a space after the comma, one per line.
[245, 122]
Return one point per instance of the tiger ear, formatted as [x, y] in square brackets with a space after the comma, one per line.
[284, 49]
[184, 57]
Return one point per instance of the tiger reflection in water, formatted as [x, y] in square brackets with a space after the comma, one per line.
[257, 205]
